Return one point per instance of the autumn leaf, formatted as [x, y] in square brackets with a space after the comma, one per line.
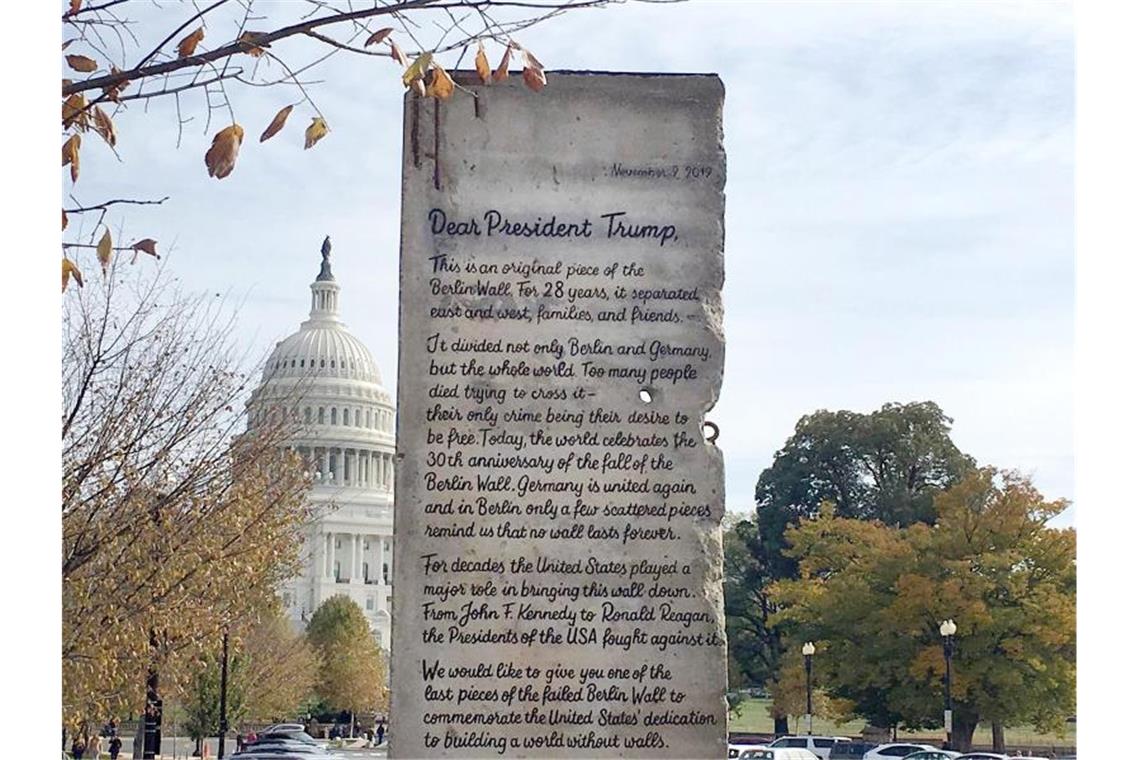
[377, 37]
[397, 54]
[481, 65]
[146, 245]
[103, 250]
[82, 63]
[71, 155]
[104, 126]
[74, 7]
[223, 153]
[315, 132]
[533, 74]
[417, 69]
[189, 42]
[74, 111]
[64, 218]
[504, 66]
[277, 123]
[70, 270]
[442, 85]
[245, 41]
[112, 91]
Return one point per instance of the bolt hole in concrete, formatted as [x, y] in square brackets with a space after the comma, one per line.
[645, 395]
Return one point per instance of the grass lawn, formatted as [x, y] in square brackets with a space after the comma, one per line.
[754, 717]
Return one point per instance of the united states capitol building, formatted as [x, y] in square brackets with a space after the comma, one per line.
[347, 434]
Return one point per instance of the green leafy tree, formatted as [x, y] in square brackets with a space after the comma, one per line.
[875, 594]
[887, 465]
[351, 666]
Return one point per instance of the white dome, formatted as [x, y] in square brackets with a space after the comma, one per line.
[322, 350]
[323, 347]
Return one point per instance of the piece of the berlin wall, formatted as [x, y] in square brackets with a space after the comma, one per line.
[558, 554]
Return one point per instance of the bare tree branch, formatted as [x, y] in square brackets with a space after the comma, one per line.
[105, 204]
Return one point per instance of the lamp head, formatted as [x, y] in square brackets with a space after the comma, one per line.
[808, 649]
[948, 628]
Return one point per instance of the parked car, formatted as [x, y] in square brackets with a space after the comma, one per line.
[778, 753]
[819, 746]
[897, 749]
[283, 727]
[737, 746]
[851, 750]
[983, 756]
[936, 754]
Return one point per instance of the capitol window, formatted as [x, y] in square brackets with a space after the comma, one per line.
[321, 415]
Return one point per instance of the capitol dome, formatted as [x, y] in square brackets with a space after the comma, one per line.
[323, 347]
[342, 425]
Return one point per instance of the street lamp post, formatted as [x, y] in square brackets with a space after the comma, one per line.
[947, 629]
[222, 723]
[808, 650]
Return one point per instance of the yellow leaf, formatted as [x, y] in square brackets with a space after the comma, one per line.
[223, 153]
[503, 70]
[189, 42]
[146, 245]
[82, 63]
[482, 67]
[417, 69]
[533, 74]
[377, 37]
[69, 270]
[103, 249]
[104, 126]
[315, 132]
[278, 122]
[71, 155]
[442, 85]
[245, 41]
[397, 54]
[74, 111]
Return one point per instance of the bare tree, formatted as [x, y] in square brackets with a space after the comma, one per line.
[176, 524]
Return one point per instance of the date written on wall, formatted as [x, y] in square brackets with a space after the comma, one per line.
[688, 172]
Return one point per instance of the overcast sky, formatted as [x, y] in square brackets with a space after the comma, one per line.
[899, 207]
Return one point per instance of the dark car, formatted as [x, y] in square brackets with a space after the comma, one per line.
[851, 750]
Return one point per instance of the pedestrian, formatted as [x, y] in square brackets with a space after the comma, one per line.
[77, 748]
[94, 747]
[380, 732]
[115, 746]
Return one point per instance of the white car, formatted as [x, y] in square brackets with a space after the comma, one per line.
[819, 746]
[897, 749]
[777, 753]
[735, 749]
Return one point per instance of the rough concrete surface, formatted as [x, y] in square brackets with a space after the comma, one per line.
[558, 553]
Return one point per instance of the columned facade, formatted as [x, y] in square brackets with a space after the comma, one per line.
[328, 383]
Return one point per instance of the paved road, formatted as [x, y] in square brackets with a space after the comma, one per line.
[180, 747]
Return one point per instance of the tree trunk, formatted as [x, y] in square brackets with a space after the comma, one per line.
[962, 733]
[782, 725]
[999, 736]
